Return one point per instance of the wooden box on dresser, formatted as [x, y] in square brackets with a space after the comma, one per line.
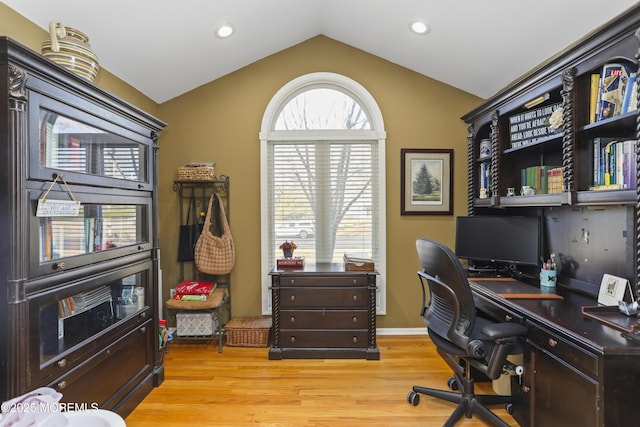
[78, 309]
[578, 371]
[321, 311]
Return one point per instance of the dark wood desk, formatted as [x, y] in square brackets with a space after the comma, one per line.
[578, 371]
[322, 311]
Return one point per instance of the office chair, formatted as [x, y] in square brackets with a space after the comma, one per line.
[462, 339]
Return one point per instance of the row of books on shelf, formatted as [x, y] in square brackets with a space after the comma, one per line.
[83, 301]
[614, 164]
[544, 179]
[614, 91]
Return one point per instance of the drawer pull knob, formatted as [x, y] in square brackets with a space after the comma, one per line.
[355, 339]
[508, 317]
[355, 319]
[59, 265]
[143, 329]
[292, 339]
[62, 385]
[293, 298]
[62, 363]
[355, 297]
[143, 315]
[293, 319]
[552, 342]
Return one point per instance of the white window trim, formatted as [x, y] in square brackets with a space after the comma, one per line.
[377, 132]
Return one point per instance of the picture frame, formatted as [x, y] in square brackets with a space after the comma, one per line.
[426, 181]
[613, 289]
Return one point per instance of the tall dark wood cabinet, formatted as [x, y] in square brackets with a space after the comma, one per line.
[79, 254]
[576, 370]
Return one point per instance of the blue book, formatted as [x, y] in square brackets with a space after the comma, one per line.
[629, 94]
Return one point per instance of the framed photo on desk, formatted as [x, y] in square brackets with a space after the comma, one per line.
[612, 290]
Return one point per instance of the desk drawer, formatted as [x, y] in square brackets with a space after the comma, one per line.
[324, 319]
[581, 359]
[352, 338]
[311, 280]
[324, 297]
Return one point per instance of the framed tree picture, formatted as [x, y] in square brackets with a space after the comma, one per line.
[426, 181]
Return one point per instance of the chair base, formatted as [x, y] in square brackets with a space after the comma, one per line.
[468, 402]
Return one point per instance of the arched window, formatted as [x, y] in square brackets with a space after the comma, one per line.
[322, 175]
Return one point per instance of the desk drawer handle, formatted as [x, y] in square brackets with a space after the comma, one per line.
[552, 342]
[355, 297]
[355, 319]
[293, 298]
[62, 385]
[292, 339]
[62, 363]
[355, 339]
[293, 319]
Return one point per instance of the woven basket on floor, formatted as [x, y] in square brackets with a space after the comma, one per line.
[248, 331]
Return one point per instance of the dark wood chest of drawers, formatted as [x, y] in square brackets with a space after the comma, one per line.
[323, 311]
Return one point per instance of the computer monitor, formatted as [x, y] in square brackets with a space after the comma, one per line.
[499, 241]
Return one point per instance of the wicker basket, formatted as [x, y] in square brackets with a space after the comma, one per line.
[200, 173]
[248, 331]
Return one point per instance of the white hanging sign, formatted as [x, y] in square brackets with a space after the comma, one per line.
[48, 207]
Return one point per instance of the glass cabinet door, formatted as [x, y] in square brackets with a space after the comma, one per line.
[96, 228]
[106, 227]
[88, 146]
[71, 145]
[64, 321]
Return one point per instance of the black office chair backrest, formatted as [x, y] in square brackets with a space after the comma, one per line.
[451, 312]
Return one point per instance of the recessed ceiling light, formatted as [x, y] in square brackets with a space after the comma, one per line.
[225, 31]
[419, 27]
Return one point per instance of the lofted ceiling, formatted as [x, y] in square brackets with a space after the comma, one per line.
[165, 48]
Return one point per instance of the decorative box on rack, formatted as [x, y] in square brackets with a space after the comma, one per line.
[196, 324]
[197, 172]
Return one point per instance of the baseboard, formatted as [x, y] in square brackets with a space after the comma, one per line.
[401, 331]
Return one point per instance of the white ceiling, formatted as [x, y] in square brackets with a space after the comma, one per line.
[165, 48]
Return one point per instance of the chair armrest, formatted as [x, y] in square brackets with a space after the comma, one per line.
[498, 331]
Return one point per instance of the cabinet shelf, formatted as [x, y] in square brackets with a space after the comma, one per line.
[622, 126]
[556, 137]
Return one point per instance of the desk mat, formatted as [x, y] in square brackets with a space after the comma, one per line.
[509, 288]
[611, 316]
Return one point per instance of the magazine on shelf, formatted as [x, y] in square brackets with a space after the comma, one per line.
[614, 81]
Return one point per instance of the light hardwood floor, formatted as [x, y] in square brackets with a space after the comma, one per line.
[241, 387]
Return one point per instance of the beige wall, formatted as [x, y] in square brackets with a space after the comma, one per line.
[220, 122]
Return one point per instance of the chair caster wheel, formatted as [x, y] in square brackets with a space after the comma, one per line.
[452, 383]
[413, 398]
[509, 408]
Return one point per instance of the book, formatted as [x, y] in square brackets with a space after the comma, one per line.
[609, 163]
[629, 159]
[613, 81]
[294, 262]
[593, 97]
[630, 94]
